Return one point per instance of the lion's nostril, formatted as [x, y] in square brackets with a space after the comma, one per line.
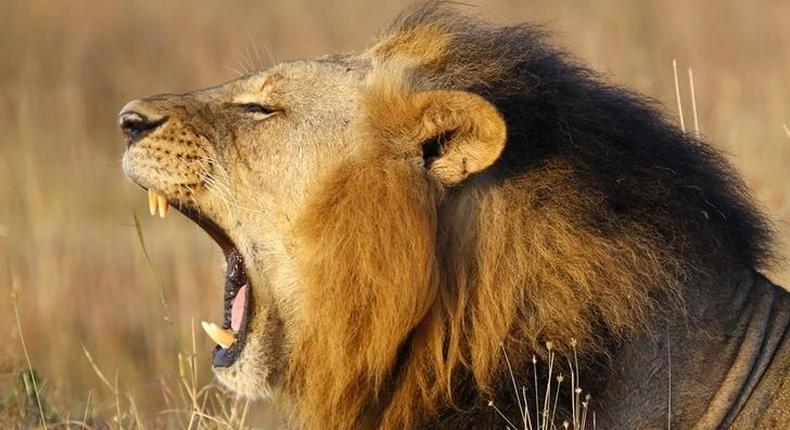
[136, 125]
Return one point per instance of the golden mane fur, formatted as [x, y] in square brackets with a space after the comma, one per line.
[414, 286]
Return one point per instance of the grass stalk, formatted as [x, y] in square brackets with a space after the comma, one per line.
[694, 103]
[677, 95]
[14, 287]
[513, 380]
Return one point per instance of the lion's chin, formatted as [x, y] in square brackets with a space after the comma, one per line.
[248, 376]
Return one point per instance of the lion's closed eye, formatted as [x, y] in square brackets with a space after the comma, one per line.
[257, 110]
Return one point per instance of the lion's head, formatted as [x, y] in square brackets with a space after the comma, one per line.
[391, 218]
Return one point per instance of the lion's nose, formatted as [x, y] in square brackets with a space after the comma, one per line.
[136, 121]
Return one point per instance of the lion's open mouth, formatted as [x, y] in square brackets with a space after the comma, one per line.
[231, 335]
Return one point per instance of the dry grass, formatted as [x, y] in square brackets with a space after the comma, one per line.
[67, 235]
[581, 415]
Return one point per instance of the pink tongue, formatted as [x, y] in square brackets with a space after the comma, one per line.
[237, 309]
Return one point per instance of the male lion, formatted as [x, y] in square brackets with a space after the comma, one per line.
[395, 220]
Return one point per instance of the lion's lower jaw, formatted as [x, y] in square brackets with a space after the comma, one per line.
[252, 375]
[257, 372]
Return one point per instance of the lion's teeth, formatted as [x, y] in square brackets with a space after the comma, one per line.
[157, 203]
[163, 205]
[152, 202]
[223, 338]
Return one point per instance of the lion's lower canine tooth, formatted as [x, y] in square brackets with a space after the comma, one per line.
[152, 202]
[163, 205]
[223, 338]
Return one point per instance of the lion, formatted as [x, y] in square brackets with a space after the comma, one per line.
[408, 227]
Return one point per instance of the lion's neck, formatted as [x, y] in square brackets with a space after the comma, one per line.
[699, 369]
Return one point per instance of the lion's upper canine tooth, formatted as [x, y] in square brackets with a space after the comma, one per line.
[152, 204]
[163, 205]
[223, 338]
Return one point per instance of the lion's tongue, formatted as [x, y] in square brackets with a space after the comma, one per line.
[237, 309]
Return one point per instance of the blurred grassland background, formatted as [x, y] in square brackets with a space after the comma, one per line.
[67, 238]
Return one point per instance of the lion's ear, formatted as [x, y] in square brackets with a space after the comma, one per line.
[461, 133]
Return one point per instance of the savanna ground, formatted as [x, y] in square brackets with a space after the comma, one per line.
[68, 243]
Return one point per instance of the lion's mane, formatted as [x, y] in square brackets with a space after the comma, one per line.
[598, 214]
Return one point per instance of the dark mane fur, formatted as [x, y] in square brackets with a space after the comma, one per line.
[619, 143]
